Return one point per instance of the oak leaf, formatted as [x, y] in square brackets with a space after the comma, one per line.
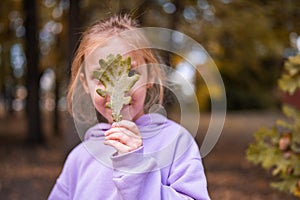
[116, 76]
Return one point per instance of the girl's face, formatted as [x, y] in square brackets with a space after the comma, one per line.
[131, 111]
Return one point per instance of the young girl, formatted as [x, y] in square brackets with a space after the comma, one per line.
[143, 156]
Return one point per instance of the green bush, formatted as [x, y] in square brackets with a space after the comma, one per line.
[278, 149]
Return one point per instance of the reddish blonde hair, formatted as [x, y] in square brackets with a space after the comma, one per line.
[97, 34]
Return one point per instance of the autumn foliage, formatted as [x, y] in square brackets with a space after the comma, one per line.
[278, 149]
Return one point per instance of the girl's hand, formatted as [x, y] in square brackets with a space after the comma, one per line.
[124, 136]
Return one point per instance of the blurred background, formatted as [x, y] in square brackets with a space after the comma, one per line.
[248, 41]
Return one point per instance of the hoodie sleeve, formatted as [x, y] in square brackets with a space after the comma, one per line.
[138, 177]
[63, 188]
[60, 189]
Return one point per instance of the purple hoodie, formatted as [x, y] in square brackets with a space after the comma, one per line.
[167, 166]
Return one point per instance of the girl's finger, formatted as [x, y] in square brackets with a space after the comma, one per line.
[121, 148]
[133, 142]
[128, 125]
[123, 138]
[121, 130]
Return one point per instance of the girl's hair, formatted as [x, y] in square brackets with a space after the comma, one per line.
[98, 34]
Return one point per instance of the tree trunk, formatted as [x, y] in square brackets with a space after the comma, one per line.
[35, 134]
[74, 29]
[72, 138]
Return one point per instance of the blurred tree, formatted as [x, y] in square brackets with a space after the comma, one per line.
[74, 29]
[74, 33]
[277, 149]
[247, 40]
[54, 54]
[9, 22]
[32, 58]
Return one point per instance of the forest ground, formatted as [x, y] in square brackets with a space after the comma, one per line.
[29, 171]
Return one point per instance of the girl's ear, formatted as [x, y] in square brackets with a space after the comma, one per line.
[84, 83]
